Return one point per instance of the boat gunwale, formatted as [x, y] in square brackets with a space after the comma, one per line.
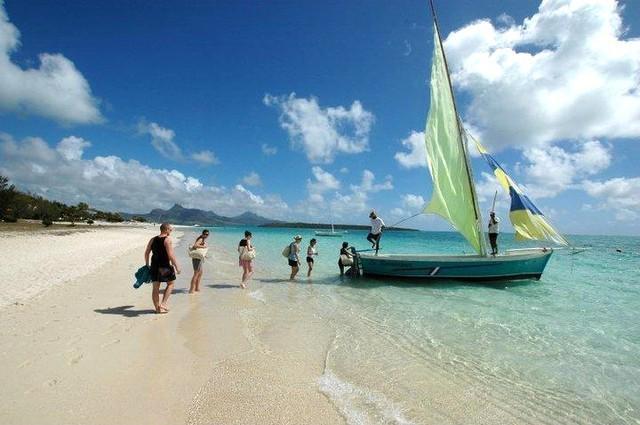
[510, 255]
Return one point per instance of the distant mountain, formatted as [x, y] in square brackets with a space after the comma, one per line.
[180, 215]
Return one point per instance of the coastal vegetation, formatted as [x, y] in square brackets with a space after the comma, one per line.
[15, 204]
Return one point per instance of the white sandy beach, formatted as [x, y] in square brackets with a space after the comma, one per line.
[82, 346]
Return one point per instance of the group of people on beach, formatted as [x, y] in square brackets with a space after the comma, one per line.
[160, 257]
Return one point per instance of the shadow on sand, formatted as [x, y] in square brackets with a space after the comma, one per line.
[124, 310]
[223, 286]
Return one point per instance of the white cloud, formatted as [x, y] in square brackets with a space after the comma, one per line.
[72, 147]
[398, 212]
[323, 132]
[323, 182]
[622, 195]
[552, 170]
[344, 170]
[357, 201]
[269, 150]
[205, 157]
[162, 140]
[417, 155]
[55, 90]
[564, 73]
[413, 202]
[113, 184]
[368, 183]
[252, 179]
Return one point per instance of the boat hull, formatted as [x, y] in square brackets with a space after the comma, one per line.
[330, 234]
[512, 265]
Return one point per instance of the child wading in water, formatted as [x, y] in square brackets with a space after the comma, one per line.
[311, 252]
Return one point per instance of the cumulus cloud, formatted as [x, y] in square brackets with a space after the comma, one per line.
[417, 154]
[368, 183]
[322, 133]
[551, 170]
[327, 196]
[567, 72]
[357, 200]
[55, 90]
[269, 150]
[413, 202]
[252, 179]
[111, 183]
[322, 182]
[621, 195]
[161, 139]
[205, 157]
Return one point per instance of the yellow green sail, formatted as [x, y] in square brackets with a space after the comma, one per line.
[453, 195]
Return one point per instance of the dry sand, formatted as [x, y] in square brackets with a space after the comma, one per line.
[89, 349]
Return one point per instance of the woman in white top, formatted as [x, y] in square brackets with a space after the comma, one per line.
[311, 252]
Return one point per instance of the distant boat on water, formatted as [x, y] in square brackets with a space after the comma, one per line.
[454, 199]
[330, 233]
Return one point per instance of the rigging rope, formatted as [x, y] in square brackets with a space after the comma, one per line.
[405, 219]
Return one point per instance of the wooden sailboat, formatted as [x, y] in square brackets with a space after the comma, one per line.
[454, 198]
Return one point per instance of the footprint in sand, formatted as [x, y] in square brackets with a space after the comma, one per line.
[76, 359]
[51, 382]
[24, 364]
[115, 341]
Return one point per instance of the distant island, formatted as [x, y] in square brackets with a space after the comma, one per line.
[299, 225]
[190, 216]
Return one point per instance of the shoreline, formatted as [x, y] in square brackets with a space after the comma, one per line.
[210, 360]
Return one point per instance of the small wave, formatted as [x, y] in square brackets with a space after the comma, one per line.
[258, 295]
[360, 406]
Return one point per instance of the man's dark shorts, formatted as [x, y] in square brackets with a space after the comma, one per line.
[163, 274]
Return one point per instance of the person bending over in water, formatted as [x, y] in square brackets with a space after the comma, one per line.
[294, 256]
[346, 258]
[311, 252]
[163, 266]
[201, 242]
[244, 250]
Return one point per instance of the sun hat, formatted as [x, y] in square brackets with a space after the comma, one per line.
[297, 237]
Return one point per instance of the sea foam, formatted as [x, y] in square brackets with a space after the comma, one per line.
[360, 406]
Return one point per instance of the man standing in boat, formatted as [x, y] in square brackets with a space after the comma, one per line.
[494, 229]
[376, 231]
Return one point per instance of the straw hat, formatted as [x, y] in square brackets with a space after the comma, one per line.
[297, 238]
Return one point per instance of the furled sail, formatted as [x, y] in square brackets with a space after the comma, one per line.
[528, 221]
[453, 195]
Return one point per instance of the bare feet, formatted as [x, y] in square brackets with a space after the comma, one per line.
[243, 285]
[162, 310]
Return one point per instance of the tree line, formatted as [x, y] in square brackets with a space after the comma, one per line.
[15, 205]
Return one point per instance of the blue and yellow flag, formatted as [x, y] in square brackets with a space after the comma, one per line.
[528, 221]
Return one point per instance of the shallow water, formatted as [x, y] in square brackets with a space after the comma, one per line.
[560, 350]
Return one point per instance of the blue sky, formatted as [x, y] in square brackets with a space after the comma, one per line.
[312, 110]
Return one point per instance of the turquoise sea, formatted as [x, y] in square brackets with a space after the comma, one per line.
[562, 350]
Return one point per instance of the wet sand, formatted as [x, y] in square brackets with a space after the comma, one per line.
[91, 350]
